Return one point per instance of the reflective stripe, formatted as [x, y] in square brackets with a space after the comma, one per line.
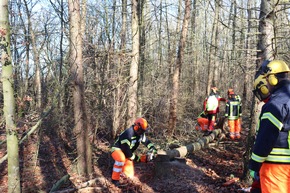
[125, 141]
[117, 169]
[280, 151]
[117, 163]
[150, 145]
[273, 120]
[258, 158]
[115, 148]
[281, 159]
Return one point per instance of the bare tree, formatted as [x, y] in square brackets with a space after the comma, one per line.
[177, 70]
[213, 63]
[36, 53]
[267, 51]
[9, 101]
[133, 82]
[81, 132]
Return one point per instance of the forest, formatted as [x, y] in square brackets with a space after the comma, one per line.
[77, 73]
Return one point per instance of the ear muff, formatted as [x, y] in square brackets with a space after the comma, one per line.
[272, 79]
[264, 90]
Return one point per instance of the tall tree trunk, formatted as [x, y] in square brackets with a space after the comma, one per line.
[266, 35]
[133, 82]
[142, 38]
[80, 117]
[118, 96]
[267, 47]
[36, 53]
[249, 60]
[9, 101]
[177, 70]
[213, 64]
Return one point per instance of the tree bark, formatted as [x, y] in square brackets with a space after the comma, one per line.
[133, 82]
[177, 70]
[80, 118]
[190, 148]
[9, 101]
[213, 63]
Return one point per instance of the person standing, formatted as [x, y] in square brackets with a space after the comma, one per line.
[211, 108]
[270, 159]
[124, 147]
[233, 114]
[262, 93]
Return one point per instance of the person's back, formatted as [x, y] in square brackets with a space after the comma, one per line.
[233, 114]
[211, 104]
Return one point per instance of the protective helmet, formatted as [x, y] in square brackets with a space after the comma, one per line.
[260, 88]
[140, 123]
[275, 67]
[231, 91]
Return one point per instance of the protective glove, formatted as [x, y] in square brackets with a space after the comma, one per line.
[254, 175]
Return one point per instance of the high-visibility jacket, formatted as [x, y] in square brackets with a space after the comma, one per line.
[233, 108]
[272, 143]
[128, 141]
[211, 105]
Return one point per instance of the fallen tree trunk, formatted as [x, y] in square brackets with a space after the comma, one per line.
[190, 148]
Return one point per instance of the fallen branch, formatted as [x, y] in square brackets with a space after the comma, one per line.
[32, 130]
[59, 183]
[89, 183]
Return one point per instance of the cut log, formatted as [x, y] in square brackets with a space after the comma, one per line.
[190, 148]
[163, 161]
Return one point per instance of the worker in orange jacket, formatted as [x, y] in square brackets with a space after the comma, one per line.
[233, 114]
[211, 107]
[124, 147]
[202, 122]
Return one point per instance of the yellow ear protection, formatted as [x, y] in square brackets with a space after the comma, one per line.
[264, 90]
[272, 79]
[262, 87]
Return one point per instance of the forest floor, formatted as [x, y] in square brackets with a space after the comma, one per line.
[44, 162]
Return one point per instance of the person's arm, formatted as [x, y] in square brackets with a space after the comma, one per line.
[147, 143]
[266, 137]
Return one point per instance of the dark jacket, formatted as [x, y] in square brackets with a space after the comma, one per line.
[128, 141]
[271, 143]
[233, 108]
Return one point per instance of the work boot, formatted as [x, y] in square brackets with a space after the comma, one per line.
[116, 183]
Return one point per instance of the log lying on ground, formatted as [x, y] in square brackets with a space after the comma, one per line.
[190, 148]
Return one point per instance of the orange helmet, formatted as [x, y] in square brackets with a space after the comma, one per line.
[231, 91]
[140, 123]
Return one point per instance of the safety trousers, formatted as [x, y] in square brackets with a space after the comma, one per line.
[121, 165]
[211, 121]
[275, 178]
[235, 128]
[202, 124]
